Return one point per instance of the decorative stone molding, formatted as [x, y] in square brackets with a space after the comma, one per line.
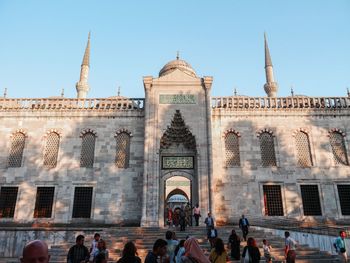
[123, 131]
[336, 130]
[24, 132]
[304, 130]
[231, 131]
[53, 130]
[85, 131]
[265, 130]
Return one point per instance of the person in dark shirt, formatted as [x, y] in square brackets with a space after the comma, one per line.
[78, 253]
[159, 250]
[129, 254]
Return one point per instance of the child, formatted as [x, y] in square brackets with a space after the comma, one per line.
[93, 247]
[267, 251]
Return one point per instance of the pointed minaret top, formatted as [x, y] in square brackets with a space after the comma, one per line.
[268, 61]
[86, 59]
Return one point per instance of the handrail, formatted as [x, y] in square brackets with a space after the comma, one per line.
[101, 104]
[292, 102]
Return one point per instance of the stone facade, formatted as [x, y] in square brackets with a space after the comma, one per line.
[178, 120]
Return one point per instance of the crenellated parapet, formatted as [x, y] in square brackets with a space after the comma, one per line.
[274, 103]
[57, 104]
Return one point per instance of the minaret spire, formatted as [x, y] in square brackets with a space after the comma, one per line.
[271, 86]
[82, 85]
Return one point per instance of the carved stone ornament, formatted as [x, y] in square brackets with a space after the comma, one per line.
[178, 133]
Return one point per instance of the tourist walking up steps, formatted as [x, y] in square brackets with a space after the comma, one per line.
[244, 226]
[209, 222]
[234, 242]
[159, 251]
[267, 251]
[179, 251]
[251, 253]
[290, 247]
[340, 246]
[193, 252]
[129, 254]
[93, 247]
[218, 254]
[35, 251]
[171, 244]
[102, 253]
[78, 252]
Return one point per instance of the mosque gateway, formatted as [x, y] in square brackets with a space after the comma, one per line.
[121, 160]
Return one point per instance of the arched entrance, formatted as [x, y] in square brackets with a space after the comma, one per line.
[178, 194]
[178, 158]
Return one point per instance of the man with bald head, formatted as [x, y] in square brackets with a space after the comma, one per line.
[35, 252]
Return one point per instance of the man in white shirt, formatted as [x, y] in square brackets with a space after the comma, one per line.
[290, 247]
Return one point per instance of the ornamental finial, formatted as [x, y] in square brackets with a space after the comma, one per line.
[177, 55]
[5, 93]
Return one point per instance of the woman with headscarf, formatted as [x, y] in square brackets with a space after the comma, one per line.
[193, 252]
[234, 242]
[218, 254]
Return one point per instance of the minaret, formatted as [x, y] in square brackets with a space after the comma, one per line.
[82, 85]
[271, 86]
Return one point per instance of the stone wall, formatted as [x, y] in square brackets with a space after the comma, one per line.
[238, 190]
[117, 192]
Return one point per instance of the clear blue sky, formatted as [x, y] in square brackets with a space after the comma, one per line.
[42, 44]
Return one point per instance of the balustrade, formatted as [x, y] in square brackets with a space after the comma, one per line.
[294, 102]
[76, 104]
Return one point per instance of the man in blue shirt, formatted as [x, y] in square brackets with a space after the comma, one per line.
[244, 226]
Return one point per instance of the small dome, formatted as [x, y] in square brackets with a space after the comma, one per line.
[177, 64]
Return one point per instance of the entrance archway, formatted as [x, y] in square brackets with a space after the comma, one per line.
[177, 192]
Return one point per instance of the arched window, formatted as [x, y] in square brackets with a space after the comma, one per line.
[337, 142]
[122, 150]
[302, 144]
[16, 151]
[232, 150]
[267, 148]
[51, 149]
[87, 150]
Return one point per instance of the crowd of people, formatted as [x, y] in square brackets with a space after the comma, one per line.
[172, 250]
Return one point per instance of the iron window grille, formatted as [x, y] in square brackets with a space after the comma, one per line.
[82, 202]
[311, 200]
[273, 200]
[8, 199]
[44, 202]
[344, 198]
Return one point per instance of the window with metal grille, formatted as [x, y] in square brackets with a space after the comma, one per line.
[273, 200]
[51, 150]
[302, 143]
[338, 148]
[267, 148]
[44, 202]
[123, 150]
[82, 202]
[87, 150]
[344, 198]
[16, 151]
[232, 150]
[8, 198]
[311, 200]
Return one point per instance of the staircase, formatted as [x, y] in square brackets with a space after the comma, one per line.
[145, 237]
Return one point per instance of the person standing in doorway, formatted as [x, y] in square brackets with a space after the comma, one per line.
[188, 211]
[196, 214]
[244, 226]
